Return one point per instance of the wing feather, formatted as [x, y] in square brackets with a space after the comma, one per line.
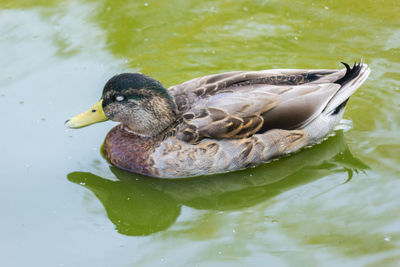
[240, 104]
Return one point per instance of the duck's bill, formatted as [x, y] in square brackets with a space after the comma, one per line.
[93, 115]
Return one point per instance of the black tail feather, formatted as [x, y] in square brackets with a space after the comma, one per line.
[351, 73]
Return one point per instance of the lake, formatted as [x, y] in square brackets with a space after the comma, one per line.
[63, 204]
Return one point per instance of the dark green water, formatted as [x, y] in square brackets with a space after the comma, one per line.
[62, 204]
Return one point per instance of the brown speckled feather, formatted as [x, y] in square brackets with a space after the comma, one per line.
[240, 104]
[235, 120]
[211, 156]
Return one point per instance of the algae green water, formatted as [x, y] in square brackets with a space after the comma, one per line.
[62, 204]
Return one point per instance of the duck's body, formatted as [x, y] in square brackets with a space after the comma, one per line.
[226, 122]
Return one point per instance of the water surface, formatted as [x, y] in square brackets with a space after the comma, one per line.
[62, 204]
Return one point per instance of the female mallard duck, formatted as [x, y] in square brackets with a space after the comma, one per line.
[221, 122]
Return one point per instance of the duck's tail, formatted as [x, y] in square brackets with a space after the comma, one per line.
[350, 82]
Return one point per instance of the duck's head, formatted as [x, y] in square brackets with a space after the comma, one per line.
[139, 102]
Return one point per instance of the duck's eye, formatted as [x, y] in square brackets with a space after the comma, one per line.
[119, 98]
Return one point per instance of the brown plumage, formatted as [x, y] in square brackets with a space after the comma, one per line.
[240, 104]
[222, 122]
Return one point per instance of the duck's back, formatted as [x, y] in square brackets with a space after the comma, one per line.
[241, 104]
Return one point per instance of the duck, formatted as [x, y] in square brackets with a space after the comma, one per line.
[221, 122]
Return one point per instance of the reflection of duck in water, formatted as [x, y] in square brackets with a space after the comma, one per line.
[140, 205]
[219, 123]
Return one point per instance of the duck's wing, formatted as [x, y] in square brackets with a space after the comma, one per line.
[240, 109]
[255, 109]
[186, 95]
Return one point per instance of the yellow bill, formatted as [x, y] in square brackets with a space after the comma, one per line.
[93, 115]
